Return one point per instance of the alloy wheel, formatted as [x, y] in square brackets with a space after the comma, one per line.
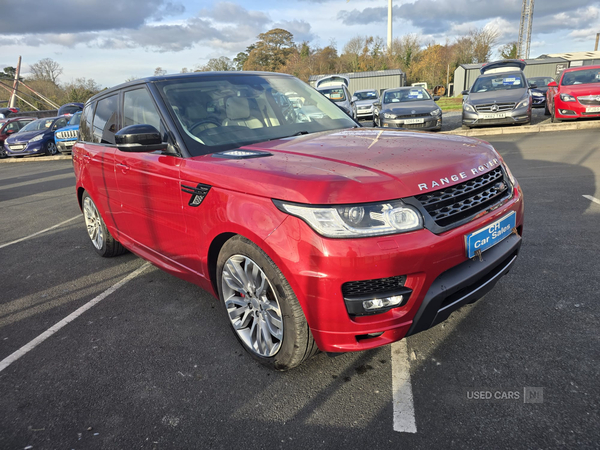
[252, 306]
[93, 223]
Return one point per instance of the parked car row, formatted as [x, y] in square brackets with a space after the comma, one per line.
[24, 136]
[502, 95]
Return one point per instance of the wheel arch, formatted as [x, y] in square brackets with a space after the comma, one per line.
[213, 254]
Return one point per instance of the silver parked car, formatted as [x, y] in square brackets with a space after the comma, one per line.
[364, 102]
[407, 107]
[335, 88]
[501, 95]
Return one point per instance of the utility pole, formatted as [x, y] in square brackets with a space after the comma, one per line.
[13, 97]
[525, 29]
[597, 39]
[389, 34]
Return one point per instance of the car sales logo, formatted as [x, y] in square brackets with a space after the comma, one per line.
[460, 176]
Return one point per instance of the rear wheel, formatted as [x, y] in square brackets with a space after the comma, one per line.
[263, 311]
[104, 243]
[546, 110]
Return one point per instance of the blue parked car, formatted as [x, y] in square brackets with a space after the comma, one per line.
[36, 137]
[65, 137]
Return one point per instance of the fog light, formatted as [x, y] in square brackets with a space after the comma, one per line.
[386, 302]
[567, 112]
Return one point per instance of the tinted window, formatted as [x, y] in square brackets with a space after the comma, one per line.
[85, 128]
[366, 95]
[581, 77]
[138, 108]
[60, 123]
[406, 95]
[75, 119]
[498, 83]
[105, 120]
[39, 125]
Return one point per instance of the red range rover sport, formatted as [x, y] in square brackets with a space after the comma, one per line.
[314, 233]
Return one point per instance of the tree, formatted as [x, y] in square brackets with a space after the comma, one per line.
[272, 51]
[221, 64]
[159, 72]
[46, 70]
[242, 57]
[509, 51]
[8, 73]
[484, 41]
[81, 90]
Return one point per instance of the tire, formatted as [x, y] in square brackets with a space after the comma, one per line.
[2, 152]
[50, 148]
[102, 241]
[553, 118]
[546, 110]
[272, 307]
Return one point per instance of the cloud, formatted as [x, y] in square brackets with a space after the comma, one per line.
[40, 17]
[299, 28]
[226, 12]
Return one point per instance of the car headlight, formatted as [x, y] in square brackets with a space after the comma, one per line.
[512, 179]
[39, 137]
[567, 98]
[537, 94]
[389, 116]
[468, 107]
[523, 103]
[361, 220]
[436, 112]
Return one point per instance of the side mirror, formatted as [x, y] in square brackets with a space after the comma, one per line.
[552, 84]
[465, 92]
[436, 98]
[139, 138]
[354, 98]
[532, 86]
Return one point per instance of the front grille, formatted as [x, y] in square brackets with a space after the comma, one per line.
[67, 134]
[590, 100]
[411, 116]
[451, 205]
[501, 107]
[367, 287]
[417, 125]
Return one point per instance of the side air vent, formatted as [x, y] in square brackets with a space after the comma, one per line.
[241, 154]
[198, 193]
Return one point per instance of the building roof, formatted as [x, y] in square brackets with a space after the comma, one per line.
[373, 73]
[530, 62]
[573, 56]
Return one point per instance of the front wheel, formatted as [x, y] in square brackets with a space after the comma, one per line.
[546, 110]
[104, 243]
[50, 148]
[553, 117]
[263, 311]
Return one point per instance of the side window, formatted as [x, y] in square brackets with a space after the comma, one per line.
[59, 124]
[85, 126]
[12, 126]
[105, 120]
[139, 108]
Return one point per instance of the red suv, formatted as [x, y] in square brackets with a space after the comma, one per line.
[313, 234]
[575, 94]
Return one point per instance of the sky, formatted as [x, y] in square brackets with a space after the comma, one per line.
[111, 41]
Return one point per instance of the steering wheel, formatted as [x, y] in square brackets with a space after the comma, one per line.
[201, 122]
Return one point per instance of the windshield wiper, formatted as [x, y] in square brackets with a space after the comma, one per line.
[299, 133]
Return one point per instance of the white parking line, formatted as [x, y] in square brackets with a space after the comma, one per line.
[404, 408]
[592, 199]
[49, 332]
[40, 232]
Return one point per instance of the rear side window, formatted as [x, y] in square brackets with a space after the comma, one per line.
[85, 127]
[105, 123]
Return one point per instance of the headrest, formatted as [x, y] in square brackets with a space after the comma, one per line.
[237, 108]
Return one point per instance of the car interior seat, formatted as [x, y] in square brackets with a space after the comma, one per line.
[238, 114]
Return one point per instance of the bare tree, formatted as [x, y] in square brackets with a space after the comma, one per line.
[221, 64]
[159, 71]
[484, 41]
[46, 70]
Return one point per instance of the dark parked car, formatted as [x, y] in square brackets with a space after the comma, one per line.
[538, 95]
[364, 102]
[8, 127]
[35, 137]
[70, 108]
[407, 107]
[499, 96]
[312, 234]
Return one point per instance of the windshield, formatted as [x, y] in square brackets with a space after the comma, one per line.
[498, 83]
[406, 95]
[75, 119]
[216, 113]
[581, 77]
[38, 125]
[366, 95]
[334, 94]
[540, 81]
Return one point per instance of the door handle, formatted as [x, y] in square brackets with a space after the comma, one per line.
[124, 167]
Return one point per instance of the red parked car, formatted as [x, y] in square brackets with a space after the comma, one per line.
[313, 234]
[576, 95]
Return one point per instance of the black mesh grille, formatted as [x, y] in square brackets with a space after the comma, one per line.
[455, 203]
[366, 287]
